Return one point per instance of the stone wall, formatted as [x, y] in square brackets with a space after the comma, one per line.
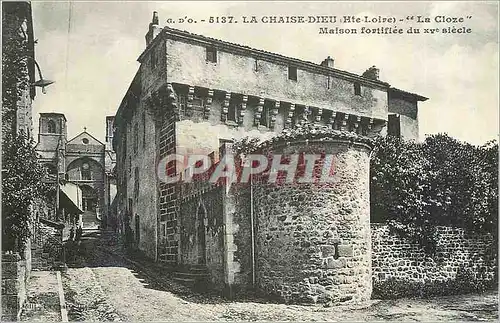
[46, 247]
[396, 257]
[186, 63]
[240, 228]
[14, 277]
[168, 231]
[313, 241]
[408, 112]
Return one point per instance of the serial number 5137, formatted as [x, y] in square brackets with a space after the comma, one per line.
[222, 20]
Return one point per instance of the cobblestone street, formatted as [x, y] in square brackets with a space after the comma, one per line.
[104, 285]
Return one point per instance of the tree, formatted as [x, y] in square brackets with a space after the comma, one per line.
[21, 174]
[442, 181]
[22, 183]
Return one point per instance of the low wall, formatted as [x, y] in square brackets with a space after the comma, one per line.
[14, 277]
[46, 247]
[396, 257]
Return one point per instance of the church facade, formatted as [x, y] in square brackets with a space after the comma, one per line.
[82, 162]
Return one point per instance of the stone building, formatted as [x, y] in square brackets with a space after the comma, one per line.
[84, 162]
[194, 94]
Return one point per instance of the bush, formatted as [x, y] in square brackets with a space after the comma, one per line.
[442, 181]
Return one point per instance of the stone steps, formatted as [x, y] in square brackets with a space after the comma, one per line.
[194, 276]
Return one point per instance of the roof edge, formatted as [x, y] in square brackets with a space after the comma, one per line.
[418, 97]
[173, 33]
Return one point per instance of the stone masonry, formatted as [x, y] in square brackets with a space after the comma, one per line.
[313, 240]
[14, 276]
[396, 257]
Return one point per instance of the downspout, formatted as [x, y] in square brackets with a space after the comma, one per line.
[252, 233]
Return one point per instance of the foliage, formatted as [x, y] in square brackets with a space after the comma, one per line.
[21, 184]
[442, 181]
[15, 79]
[301, 131]
[21, 174]
[464, 283]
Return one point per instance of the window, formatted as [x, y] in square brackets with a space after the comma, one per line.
[124, 143]
[154, 59]
[85, 172]
[232, 112]
[394, 126]
[136, 183]
[357, 89]
[85, 141]
[144, 130]
[264, 119]
[211, 54]
[292, 73]
[224, 146]
[51, 169]
[256, 67]
[51, 126]
[130, 205]
[136, 137]
[182, 100]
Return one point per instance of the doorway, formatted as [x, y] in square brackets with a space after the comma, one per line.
[201, 234]
[137, 230]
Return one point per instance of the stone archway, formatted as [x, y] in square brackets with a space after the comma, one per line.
[90, 202]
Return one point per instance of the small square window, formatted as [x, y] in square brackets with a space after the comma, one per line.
[292, 73]
[154, 61]
[211, 54]
[357, 89]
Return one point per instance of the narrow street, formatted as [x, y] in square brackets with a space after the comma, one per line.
[101, 285]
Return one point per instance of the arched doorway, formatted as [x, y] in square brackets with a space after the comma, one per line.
[201, 219]
[89, 206]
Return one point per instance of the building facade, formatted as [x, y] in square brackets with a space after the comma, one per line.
[84, 162]
[194, 94]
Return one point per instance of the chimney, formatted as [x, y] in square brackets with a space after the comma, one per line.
[154, 28]
[372, 73]
[328, 62]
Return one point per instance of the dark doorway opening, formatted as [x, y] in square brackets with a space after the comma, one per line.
[137, 229]
[201, 235]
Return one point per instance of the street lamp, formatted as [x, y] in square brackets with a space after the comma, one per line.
[41, 82]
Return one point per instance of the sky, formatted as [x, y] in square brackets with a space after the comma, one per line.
[91, 48]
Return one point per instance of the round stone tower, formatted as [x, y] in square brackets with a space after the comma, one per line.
[313, 239]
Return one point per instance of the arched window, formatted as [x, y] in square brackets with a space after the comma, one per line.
[85, 170]
[51, 169]
[51, 126]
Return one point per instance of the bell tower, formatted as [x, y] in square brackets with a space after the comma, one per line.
[52, 137]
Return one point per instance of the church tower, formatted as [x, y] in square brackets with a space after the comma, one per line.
[52, 138]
